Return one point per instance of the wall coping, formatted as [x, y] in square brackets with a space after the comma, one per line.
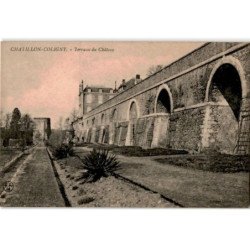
[211, 59]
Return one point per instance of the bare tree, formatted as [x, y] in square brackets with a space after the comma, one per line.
[5, 120]
[153, 69]
[73, 115]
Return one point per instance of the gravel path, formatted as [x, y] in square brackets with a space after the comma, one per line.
[34, 183]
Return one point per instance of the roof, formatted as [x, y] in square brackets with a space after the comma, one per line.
[128, 84]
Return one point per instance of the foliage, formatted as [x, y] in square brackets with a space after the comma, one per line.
[149, 105]
[15, 124]
[138, 151]
[57, 137]
[99, 163]
[154, 69]
[63, 151]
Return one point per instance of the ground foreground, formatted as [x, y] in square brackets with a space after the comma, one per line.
[107, 192]
[34, 182]
[149, 182]
[187, 186]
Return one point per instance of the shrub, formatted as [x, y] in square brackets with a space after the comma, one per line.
[63, 151]
[99, 163]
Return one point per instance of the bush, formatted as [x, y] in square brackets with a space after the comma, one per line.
[63, 151]
[99, 163]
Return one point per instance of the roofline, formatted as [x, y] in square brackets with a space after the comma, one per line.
[168, 65]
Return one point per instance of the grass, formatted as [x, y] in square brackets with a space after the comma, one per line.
[37, 185]
[137, 151]
[7, 155]
[187, 186]
[213, 162]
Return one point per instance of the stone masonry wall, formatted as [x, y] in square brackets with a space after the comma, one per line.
[192, 124]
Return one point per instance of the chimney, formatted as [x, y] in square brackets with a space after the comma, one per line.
[137, 78]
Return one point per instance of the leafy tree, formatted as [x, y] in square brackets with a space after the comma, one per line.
[15, 124]
[153, 69]
[27, 128]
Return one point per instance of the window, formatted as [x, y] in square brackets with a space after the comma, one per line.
[89, 98]
[100, 99]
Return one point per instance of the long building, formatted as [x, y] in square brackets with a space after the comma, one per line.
[199, 102]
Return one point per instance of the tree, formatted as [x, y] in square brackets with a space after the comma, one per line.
[73, 115]
[15, 124]
[153, 69]
[5, 120]
[27, 128]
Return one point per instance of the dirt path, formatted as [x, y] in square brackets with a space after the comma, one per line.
[191, 188]
[35, 184]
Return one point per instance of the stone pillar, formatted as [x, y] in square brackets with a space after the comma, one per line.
[92, 139]
[128, 140]
[160, 133]
[220, 129]
[100, 140]
[111, 133]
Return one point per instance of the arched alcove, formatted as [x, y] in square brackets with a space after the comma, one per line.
[133, 111]
[225, 91]
[226, 88]
[163, 109]
[163, 104]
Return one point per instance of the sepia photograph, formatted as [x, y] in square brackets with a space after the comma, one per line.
[125, 124]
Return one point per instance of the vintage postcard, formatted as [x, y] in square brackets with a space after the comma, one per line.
[125, 124]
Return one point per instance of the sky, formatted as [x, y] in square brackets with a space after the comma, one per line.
[42, 78]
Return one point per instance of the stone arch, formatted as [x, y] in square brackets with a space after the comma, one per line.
[135, 109]
[113, 127]
[114, 116]
[237, 65]
[163, 100]
[163, 108]
[132, 116]
[225, 92]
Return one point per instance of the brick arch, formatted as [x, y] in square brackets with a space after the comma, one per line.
[131, 103]
[163, 88]
[237, 65]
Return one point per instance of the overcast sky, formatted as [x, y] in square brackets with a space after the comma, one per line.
[45, 83]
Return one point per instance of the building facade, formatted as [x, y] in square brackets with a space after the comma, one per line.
[91, 97]
[199, 102]
[42, 130]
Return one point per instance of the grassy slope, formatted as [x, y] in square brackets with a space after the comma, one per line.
[214, 163]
